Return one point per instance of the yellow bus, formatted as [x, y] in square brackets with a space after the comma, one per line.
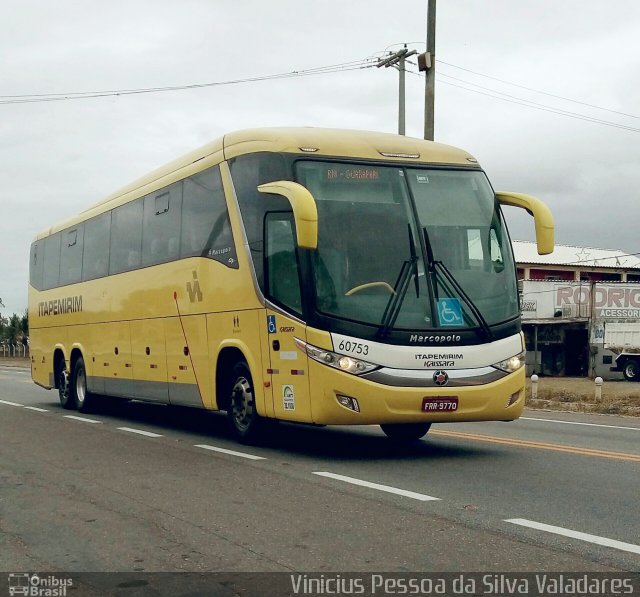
[311, 275]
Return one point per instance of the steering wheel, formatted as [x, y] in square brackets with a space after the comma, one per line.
[380, 284]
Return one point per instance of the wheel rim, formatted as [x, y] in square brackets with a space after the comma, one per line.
[81, 386]
[632, 369]
[64, 385]
[242, 403]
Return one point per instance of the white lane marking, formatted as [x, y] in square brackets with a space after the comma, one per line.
[411, 494]
[576, 535]
[40, 410]
[83, 419]
[577, 423]
[139, 431]
[10, 403]
[230, 452]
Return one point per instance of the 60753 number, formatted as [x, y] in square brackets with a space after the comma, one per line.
[353, 347]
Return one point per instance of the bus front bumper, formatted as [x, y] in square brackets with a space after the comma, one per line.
[375, 403]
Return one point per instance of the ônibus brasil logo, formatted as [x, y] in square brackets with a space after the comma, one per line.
[38, 585]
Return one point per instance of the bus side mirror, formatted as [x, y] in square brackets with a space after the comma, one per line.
[304, 207]
[541, 214]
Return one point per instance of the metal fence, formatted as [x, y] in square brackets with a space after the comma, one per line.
[14, 350]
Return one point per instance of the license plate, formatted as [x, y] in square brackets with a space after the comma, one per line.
[440, 404]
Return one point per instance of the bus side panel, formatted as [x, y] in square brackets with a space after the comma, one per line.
[93, 361]
[290, 379]
[188, 368]
[149, 359]
[112, 344]
[41, 357]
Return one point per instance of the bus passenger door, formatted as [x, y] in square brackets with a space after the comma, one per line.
[289, 378]
[149, 360]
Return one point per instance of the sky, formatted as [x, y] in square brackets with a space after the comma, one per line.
[545, 94]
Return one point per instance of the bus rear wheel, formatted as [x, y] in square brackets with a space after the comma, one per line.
[405, 432]
[78, 387]
[244, 421]
[631, 370]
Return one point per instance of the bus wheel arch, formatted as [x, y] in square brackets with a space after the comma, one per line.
[61, 378]
[227, 359]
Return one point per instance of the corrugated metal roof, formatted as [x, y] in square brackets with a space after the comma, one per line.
[525, 252]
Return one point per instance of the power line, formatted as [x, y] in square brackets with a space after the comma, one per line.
[566, 99]
[52, 97]
[532, 89]
[529, 103]
[365, 63]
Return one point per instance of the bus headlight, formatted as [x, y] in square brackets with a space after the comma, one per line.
[335, 360]
[512, 364]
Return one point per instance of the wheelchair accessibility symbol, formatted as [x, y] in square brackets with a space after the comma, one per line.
[271, 324]
[450, 312]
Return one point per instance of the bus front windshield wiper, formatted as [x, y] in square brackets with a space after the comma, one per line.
[435, 266]
[408, 270]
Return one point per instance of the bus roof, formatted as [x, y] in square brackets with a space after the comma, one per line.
[305, 141]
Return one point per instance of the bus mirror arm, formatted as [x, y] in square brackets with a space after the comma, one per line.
[541, 215]
[304, 207]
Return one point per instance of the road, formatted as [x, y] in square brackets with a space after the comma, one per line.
[137, 487]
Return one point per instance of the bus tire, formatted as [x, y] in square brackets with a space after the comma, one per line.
[405, 432]
[631, 370]
[63, 383]
[78, 387]
[244, 421]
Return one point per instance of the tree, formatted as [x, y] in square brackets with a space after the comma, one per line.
[24, 325]
[15, 329]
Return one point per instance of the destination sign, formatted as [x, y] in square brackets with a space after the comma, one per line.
[352, 174]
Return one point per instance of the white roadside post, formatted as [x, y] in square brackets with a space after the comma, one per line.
[534, 387]
[598, 381]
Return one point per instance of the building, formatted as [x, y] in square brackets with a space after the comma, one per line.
[568, 298]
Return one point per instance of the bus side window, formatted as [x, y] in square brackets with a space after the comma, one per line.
[126, 237]
[36, 265]
[95, 260]
[248, 171]
[71, 256]
[206, 229]
[282, 266]
[162, 215]
[52, 261]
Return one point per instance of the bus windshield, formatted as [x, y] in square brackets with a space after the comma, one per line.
[408, 248]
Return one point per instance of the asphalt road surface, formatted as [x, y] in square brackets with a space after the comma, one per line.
[135, 487]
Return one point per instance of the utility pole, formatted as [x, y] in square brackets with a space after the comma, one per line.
[398, 59]
[427, 63]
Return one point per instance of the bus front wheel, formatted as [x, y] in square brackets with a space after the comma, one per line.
[244, 421]
[405, 432]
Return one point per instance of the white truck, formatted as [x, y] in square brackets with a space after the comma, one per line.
[623, 339]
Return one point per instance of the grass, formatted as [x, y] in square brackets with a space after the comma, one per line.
[578, 394]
